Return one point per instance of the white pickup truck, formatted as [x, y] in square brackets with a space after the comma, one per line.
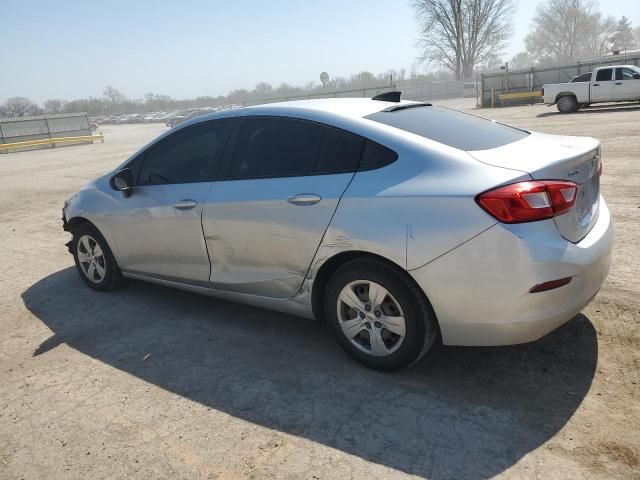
[619, 83]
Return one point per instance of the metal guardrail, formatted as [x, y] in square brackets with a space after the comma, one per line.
[52, 141]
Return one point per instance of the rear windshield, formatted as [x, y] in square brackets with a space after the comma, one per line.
[456, 129]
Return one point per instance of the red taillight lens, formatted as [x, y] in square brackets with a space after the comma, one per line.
[529, 201]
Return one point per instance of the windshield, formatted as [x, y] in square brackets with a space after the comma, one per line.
[452, 128]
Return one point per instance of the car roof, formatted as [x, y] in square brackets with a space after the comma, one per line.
[346, 107]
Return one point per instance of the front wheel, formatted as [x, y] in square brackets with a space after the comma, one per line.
[379, 315]
[93, 258]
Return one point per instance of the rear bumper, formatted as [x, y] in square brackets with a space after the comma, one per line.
[480, 290]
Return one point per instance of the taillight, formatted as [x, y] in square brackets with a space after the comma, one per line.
[529, 201]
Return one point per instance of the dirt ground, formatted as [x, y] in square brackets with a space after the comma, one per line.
[148, 382]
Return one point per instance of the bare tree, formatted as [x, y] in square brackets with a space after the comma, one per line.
[113, 95]
[566, 30]
[460, 34]
[54, 105]
[19, 107]
[624, 34]
[521, 60]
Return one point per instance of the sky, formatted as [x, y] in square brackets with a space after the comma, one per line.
[187, 48]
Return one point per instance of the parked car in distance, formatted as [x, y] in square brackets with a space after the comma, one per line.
[178, 117]
[375, 215]
[619, 83]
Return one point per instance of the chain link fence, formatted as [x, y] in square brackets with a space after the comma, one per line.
[492, 85]
[41, 127]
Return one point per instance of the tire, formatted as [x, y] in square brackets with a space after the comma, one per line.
[567, 104]
[97, 266]
[359, 330]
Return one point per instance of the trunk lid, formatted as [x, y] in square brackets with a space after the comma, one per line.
[554, 157]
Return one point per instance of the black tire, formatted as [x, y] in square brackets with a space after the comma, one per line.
[420, 321]
[567, 104]
[112, 276]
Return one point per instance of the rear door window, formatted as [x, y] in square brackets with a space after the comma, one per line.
[267, 147]
[624, 74]
[604, 75]
[450, 127]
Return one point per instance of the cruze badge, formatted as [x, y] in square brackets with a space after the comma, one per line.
[573, 172]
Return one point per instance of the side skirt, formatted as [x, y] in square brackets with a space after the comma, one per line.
[293, 306]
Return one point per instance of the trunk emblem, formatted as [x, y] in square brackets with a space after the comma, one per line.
[573, 172]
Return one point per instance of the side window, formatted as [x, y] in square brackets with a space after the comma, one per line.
[604, 75]
[624, 74]
[268, 147]
[339, 151]
[376, 156]
[185, 157]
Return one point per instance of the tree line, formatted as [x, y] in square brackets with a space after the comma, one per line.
[114, 102]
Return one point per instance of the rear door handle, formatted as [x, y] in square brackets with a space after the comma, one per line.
[304, 199]
[618, 83]
[185, 204]
[596, 84]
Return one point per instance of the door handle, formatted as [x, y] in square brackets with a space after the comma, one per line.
[185, 204]
[596, 84]
[304, 199]
[618, 83]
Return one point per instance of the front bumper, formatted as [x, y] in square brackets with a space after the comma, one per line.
[480, 290]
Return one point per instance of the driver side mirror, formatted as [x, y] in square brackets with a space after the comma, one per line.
[123, 181]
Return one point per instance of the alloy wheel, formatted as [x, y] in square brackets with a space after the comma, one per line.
[91, 259]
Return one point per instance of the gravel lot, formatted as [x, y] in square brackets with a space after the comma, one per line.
[148, 382]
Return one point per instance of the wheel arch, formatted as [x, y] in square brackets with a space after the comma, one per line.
[75, 222]
[333, 263]
[566, 94]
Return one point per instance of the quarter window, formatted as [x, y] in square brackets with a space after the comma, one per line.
[376, 156]
[604, 75]
[185, 157]
[339, 152]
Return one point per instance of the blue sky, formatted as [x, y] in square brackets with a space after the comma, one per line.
[187, 48]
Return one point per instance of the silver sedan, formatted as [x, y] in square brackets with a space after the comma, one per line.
[398, 223]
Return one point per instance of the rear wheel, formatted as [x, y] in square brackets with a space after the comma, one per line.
[567, 104]
[93, 258]
[378, 315]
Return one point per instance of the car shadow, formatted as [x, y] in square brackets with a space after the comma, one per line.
[459, 413]
[621, 107]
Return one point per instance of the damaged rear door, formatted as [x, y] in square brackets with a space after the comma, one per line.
[281, 184]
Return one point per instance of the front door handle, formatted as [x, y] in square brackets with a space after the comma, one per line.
[185, 204]
[618, 83]
[304, 199]
[596, 84]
